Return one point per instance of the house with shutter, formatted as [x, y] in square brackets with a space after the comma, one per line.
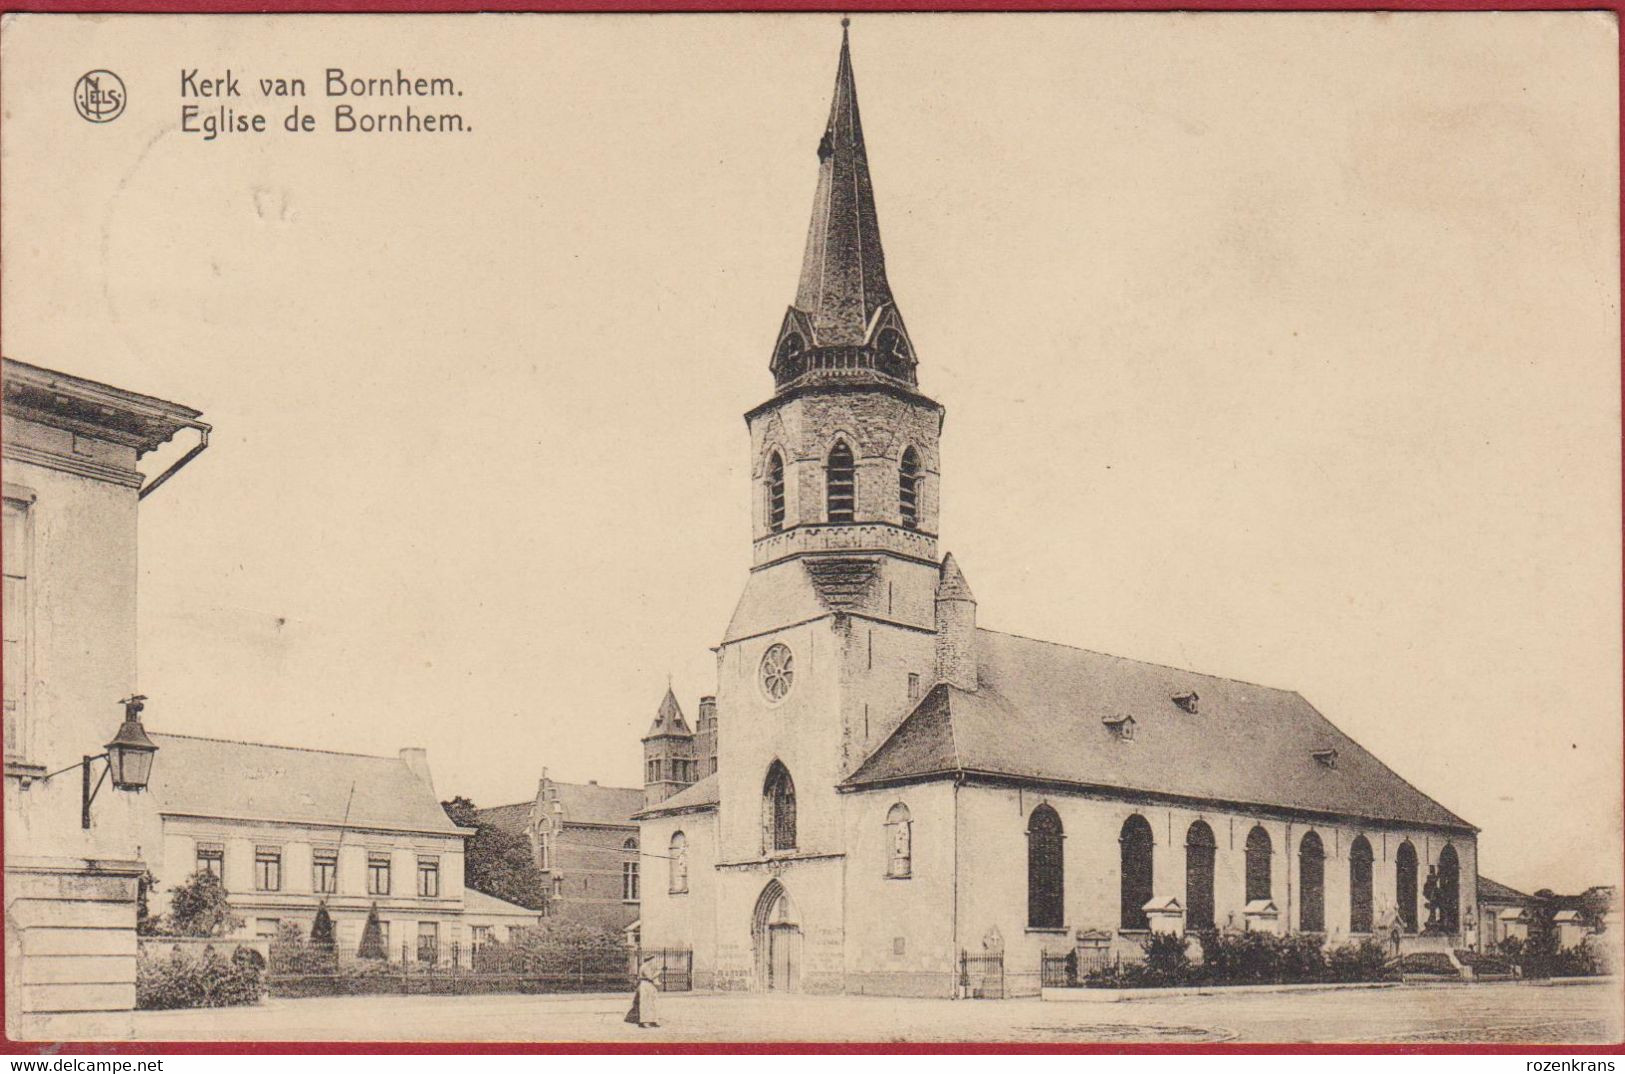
[898, 789]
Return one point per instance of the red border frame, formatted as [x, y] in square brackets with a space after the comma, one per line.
[428, 7]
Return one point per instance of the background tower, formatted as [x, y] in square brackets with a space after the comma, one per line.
[668, 753]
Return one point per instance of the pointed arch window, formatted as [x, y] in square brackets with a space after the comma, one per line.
[1134, 845]
[775, 492]
[1405, 884]
[677, 864]
[900, 840]
[1046, 870]
[908, 489]
[779, 809]
[840, 484]
[1312, 881]
[1200, 848]
[1360, 885]
[1259, 852]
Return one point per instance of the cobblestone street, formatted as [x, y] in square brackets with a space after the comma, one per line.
[1490, 1013]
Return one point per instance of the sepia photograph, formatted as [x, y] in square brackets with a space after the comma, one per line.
[538, 528]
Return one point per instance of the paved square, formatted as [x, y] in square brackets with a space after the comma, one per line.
[1588, 1012]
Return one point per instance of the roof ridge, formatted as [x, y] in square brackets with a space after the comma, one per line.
[274, 746]
[1136, 660]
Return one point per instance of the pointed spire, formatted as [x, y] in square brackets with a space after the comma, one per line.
[669, 717]
[843, 274]
[951, 584]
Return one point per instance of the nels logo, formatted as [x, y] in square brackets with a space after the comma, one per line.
[99, 96]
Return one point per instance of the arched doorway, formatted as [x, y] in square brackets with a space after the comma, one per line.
[776, 934]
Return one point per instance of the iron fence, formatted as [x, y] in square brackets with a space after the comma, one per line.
[981, 976]
[456, 969]
[676, 967]
[1072, 969]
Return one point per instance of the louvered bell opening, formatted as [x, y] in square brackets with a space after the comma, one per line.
[908, 490]
[841, 484]
[775, 493]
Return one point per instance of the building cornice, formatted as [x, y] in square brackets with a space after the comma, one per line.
[874, 386]
[15, 451]
[60, 400]
[334, 826]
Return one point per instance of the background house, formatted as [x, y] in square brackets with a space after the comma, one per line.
[1502, 912]
[585, 842]
[287, 829]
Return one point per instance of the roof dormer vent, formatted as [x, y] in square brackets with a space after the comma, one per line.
[1325, 757]
[1187, 701]
[1121, 726]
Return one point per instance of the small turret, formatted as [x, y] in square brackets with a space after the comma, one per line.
[668, 752]
[956, 627]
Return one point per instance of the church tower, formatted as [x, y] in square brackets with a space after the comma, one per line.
[832, 642]
[845, 452]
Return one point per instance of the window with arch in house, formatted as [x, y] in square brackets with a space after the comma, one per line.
[779, 807]
[1360, 885]
[1200, 848]
[908, 489]
[1259, 852]
[775, 492]
[629, 871]
[677, 864]
[840, 484]
[1405, 884]
[1312, 884]
[1046, 870]
[1134, 849]
[900, 840]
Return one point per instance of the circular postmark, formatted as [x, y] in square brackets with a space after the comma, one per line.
[99, 96]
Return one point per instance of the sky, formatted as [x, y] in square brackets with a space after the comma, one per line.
[1281, 347]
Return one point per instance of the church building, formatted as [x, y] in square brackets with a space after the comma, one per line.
[895, 787]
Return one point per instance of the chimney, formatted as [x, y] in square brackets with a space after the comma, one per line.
[956, 627]
[417, 760]
[705, 739]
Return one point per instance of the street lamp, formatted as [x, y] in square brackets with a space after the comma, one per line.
[129, 754]
[129, 759]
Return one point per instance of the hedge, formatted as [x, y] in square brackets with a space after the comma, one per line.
[166, 982]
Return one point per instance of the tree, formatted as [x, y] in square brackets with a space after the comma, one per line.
[321, 930]
[372, 937]
[498, 862]
[199, 908]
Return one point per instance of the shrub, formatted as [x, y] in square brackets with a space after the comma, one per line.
[1165, 957]
[1303, 958]
[321, 929]
[198, 907]
[207, 980]
[372, 938]
[1240, 958]
[558, 955]
[291, 955]
[1366, 960]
